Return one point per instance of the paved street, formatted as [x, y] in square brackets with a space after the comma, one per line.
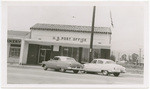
[25, 75]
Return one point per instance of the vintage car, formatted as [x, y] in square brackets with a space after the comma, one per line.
[62, 63]
[105, 66]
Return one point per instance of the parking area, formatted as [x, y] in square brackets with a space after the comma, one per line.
[36, 75]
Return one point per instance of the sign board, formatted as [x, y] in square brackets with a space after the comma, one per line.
[75, 39]
[55, 48]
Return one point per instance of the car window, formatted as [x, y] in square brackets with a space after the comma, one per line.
[109, 62]
[94, 61]
[56, 58]
[100, 62]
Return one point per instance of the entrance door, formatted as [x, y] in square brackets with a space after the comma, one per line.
[44, 55]
[48, 55]
[32, 54]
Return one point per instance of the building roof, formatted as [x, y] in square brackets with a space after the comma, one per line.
[74, 28]
[18, 33]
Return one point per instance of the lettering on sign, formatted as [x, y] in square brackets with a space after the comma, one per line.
[13, 41]
[81, 40]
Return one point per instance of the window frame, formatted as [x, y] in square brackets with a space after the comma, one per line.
[100, 63]
[14, 51]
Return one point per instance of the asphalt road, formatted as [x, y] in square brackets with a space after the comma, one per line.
[16, 75]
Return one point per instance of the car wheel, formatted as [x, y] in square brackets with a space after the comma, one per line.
[62, 70]
[84, 72]
[116, 74]
[45, 67]
[75, 71]
[105, 72]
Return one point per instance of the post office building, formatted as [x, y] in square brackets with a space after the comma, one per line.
[44, 41]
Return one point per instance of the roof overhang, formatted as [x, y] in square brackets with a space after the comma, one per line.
[40, 42]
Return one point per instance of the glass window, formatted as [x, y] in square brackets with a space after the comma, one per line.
[14, 50]
[100, 62]
[94, 61]
[85, 55]
[110, 62]
[65, 51]
[96, 53]
[56, 58]
[70, 52]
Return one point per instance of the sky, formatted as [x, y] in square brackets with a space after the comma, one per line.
[127, 34]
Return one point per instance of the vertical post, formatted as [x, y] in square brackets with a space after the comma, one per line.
[92, 31]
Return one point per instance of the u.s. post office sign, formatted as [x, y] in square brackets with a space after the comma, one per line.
[74, 39]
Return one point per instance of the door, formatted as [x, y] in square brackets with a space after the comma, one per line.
[48, 55]
[92, 66]
[53, 63]
[99, 66]
[32, 54]
[42, 55]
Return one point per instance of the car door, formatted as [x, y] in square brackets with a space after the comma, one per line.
[99, 65]
[58, 63]
[52, 63]
[92, 66]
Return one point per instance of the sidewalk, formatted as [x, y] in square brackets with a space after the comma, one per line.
[24, 66]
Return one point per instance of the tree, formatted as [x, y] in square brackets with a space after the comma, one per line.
[134, 57]
[112, 57]
[124, 57]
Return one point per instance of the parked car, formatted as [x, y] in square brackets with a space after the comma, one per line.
[104, 66]
[62, 63]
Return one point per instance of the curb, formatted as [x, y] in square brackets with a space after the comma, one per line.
[25, 66]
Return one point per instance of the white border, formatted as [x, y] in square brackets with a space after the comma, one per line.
[7, 3]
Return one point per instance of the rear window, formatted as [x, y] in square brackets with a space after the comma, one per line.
[94, 61]
[110, 62]
[56, 58]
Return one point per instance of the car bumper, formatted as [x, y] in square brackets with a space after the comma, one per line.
[119, 71]
[70, 68]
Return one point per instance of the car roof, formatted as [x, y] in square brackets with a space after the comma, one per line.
[103, 59]
[62, 56]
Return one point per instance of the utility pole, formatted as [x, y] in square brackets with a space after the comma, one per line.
[92, 34]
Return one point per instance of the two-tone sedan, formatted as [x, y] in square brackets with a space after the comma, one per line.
[62, 63]
[104, 66]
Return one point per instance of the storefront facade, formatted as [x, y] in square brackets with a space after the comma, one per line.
[49, 40]
[14, 45]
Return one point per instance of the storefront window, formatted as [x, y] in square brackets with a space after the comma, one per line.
[70, 52]
[96, 53]
[85, 55]
[14, 50]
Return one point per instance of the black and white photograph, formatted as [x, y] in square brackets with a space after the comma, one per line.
[75, 43]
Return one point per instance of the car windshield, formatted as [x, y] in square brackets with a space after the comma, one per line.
[110, 62]
[94, 61]
[67, 59]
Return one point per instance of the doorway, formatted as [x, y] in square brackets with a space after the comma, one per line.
[44, 55]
